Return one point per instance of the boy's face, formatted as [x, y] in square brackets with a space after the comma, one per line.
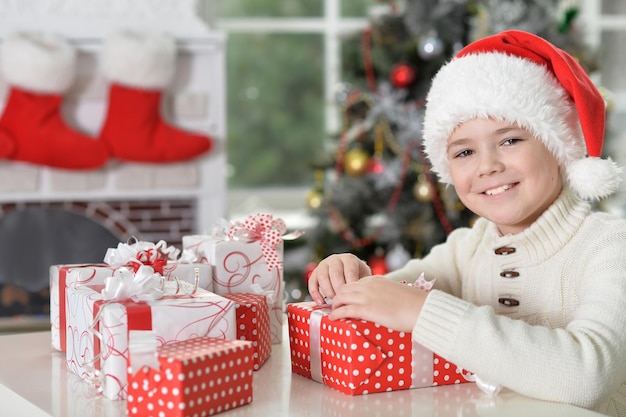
[503, 173]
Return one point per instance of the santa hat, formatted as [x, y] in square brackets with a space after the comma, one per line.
[521, 78]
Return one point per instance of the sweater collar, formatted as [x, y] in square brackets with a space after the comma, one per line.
[551, 230]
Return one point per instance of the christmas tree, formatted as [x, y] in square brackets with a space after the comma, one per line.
[374, 195]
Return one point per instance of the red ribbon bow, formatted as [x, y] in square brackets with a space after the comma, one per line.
[154, 257]
[264, 229]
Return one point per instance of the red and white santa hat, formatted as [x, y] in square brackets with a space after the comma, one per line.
[521, 78]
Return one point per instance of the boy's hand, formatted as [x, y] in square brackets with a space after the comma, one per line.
[380, 300]
[334, 272]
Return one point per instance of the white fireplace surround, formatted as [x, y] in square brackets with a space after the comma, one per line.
[194, 101]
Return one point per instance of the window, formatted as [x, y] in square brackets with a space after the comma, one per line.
[283, 69]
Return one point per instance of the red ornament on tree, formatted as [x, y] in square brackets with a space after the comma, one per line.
[375, 166]
[402, 75]
[378, 264]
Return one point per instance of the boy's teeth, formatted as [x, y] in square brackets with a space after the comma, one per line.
[498, 190]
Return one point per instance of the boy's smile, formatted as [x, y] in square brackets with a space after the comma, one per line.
[498, 190]
[503, 173]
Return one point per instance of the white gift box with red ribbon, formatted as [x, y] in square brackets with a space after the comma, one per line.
[136, 254]
[247, 257]
[98, 324]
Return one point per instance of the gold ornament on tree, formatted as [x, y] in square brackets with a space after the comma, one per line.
[314, 199]
[355, 162]
[423, 189]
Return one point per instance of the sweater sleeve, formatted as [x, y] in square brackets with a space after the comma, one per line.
[582, 364]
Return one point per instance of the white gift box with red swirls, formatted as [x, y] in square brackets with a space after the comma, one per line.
[63, 276]
[247, 257]
[98, 330]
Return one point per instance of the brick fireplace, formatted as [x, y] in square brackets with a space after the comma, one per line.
[167, 220]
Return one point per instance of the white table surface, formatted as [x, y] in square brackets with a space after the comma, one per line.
[35, 383]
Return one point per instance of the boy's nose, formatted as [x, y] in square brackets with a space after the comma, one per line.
[490, 164]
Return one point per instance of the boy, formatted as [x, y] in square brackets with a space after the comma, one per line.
[530, 298]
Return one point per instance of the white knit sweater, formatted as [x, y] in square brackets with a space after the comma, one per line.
[566, 340]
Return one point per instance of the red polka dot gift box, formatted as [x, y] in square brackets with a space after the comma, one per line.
[359, 357]
[253, 323]
[197, 377]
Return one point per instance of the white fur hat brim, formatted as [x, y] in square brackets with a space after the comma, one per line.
[510, 88]
[41, 63]
[145, 61]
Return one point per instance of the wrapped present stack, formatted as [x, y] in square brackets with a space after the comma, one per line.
[247, 256]
[98, 324]
[144, 286]
[360, 357]
[159, 256]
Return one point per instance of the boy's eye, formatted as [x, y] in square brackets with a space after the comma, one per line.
[510, 141]
[464, 153]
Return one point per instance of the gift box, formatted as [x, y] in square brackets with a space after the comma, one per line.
[98, 329]
[64, 276]
[360, 357]
[253, 324]
[61, 277]
[200, 376]
[247, 257]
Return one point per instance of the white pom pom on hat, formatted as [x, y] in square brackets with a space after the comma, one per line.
[521, 78]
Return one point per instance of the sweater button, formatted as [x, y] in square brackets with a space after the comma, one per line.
[509, 274]
[509, 302]
[504, 250]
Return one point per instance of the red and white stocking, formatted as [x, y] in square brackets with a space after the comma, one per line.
[39, 69]
[139, 67]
